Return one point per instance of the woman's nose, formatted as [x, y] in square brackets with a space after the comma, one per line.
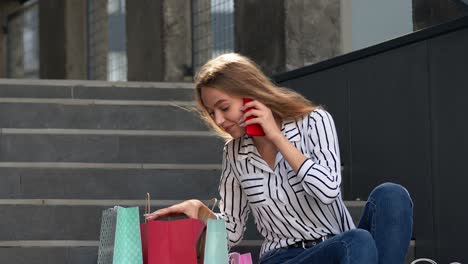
[219, 119]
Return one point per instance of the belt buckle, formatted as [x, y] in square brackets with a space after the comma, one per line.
[304, 245]
[314, 243]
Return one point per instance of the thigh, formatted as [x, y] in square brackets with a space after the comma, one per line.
[354, 246]
[280, 255]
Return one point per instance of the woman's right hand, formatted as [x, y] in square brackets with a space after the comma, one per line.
[190, 208]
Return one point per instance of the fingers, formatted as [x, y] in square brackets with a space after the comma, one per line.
[161, 213]
[255, 104]
[260, 115]
[252, 113]
[254, 120]
[156, 215]
[151, 216]
[255, 109]
[188, 208]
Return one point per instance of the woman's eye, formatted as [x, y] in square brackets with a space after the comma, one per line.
[224, 109]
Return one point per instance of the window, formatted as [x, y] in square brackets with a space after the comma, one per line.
[212, 29]
[23, 42]
[369, 22]
[107, 51]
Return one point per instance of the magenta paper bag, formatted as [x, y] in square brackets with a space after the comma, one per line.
[236, 258]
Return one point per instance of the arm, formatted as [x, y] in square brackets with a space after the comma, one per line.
[321, 178]
[233, 205]
[190, 208]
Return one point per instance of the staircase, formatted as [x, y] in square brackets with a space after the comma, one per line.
[70, 149]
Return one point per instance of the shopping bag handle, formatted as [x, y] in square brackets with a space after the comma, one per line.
[147, 205]
[200, 247]
[214, 201]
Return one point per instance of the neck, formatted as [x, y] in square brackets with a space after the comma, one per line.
[261, 142]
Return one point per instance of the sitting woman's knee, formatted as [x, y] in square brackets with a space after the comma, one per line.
[391, 192]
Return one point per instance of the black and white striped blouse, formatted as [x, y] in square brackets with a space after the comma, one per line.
[287, 206]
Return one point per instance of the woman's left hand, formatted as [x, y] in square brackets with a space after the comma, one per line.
[262, 116]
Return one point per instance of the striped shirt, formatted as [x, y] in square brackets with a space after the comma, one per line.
[287, 206]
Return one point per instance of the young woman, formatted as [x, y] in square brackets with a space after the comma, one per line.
[290, 178]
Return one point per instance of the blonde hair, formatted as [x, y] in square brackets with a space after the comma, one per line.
[237, 75]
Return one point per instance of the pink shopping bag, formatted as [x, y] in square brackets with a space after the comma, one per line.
[169, 242]
[236, 258]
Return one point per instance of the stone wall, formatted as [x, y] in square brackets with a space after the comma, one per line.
[177, 40]
[313, 31]
[286, 35]
[6, 7]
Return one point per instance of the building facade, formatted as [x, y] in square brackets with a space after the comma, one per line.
[168, 40]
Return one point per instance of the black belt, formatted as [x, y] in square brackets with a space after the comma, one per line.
[309, 243]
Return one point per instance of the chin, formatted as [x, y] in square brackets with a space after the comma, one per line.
[237, 133]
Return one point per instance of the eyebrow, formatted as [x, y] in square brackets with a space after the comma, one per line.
[219, 102]
[216, 104]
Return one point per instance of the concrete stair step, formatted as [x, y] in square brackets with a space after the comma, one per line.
[122, 184]
[49, 255]
[50, 222]
[165, 116]
[57, 218]
[58, 225]
[100, 90]
[110, 148]
[66, 222]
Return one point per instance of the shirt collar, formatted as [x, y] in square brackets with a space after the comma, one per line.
[291, 131]
[246, 147]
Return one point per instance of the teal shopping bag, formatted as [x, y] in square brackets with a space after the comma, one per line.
[216, 249]
[120, 240]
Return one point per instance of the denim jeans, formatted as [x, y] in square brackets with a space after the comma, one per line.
[382, 236]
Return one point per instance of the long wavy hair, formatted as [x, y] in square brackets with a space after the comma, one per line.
[237, 75]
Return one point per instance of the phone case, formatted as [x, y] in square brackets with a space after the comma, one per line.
[252, 129]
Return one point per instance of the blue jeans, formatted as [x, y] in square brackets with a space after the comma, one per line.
[382, 236]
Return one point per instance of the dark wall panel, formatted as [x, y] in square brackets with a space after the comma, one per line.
[390, 119]
[390, 130]
[448, 57]
[329, 89]
[401, 115]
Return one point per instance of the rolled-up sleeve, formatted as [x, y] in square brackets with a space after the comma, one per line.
[234, 206]
[321, 176]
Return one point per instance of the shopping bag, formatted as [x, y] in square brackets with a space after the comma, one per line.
[119, 239]
[216, 248]
[237, 258]
[170, 241]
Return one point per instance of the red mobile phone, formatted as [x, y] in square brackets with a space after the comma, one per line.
[252, 129]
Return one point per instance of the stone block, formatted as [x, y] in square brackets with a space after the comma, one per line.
[110, 184]
[110, 117]
[111, 149]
